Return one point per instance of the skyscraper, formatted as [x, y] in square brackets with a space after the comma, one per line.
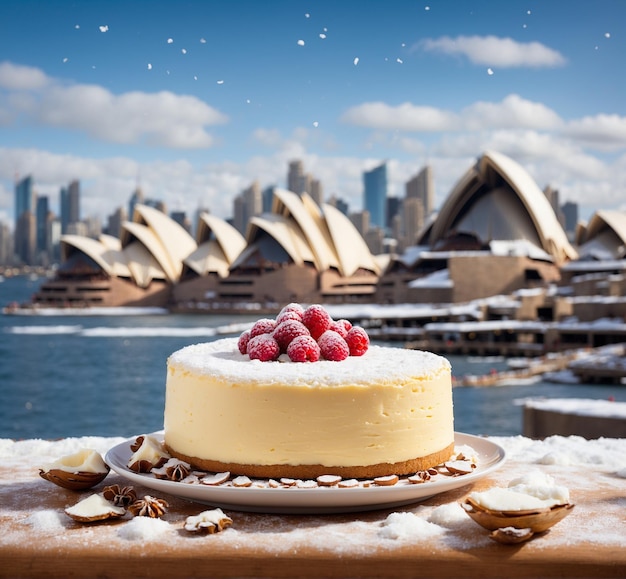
[246, 205]
[296, 178]
[70, 205]
[136, 197]
[25, 226]
[24, 197]
[375, 186]
[421, 187]
[42, 223]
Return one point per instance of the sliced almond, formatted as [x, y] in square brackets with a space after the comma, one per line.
[348, 483]
[215, 478]
[328, 480]
[242, 481]
[387, 481]
[460, 467]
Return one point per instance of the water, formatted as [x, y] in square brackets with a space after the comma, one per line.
[79, 375]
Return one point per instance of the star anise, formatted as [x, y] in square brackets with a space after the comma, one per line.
[149, 507]
[120, 496]
[178, 471]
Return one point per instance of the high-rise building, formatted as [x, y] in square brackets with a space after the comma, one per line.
[422, 187]
[316, 190]
[339, 204]
[300, 182]
[25, 236]
[413, 214]
[246, 205]
[267, 199]
[6, 244]
[570, 213]
[296, 177]
[360, 220]
[42, 223]
[70, 205]
[375, 193]
[136, 197]
[393, 208]
[114, 222]
[24, 196]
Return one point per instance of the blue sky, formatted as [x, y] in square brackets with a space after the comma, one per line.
[196, 99]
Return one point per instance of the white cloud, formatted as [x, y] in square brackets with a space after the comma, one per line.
[604, 132]
[494, 51]
[404, 117]
[17, 77]
[513, 112]
[159, 119]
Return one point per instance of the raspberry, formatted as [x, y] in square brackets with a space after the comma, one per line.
[293, 310]
[303, 349]
[333, 347]
[264, 348]
[286, 331]
[358, 341]
[242, 344]
[283, 316]
[317, 320]
[262, 326]
[341, 327]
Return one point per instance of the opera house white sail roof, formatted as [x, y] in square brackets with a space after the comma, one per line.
[497, 199]
[495, 206]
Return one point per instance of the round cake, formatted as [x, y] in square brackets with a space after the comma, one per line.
[388, 411]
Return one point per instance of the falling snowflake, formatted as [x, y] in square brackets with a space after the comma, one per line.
[607, 35]
[315, 124]
[170, 40]
[399, 60]
[356, 60]
[322, 36]
[220, 82]
[490, 71]
[427, 8]
[149, 66]
[195, 77]
[203, 41]
[104, 28]
[247, 101]
[307, 15]
[300, 42]
[77, 26]
[65, 59]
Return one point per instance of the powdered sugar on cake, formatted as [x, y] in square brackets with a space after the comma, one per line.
[222, 358]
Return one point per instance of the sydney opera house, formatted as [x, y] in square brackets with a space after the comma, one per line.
[495, 233]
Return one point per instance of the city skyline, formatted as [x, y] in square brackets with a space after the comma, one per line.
[196, 103]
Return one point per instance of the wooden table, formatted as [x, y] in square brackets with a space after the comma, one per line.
[38, 540]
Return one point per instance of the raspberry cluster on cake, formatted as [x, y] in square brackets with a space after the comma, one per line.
[303, 395]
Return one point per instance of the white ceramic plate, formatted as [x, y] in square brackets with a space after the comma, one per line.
[319, 500]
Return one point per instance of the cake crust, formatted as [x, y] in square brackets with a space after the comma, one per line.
[311, 471]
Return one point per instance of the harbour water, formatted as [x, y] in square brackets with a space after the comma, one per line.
[76, 375]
